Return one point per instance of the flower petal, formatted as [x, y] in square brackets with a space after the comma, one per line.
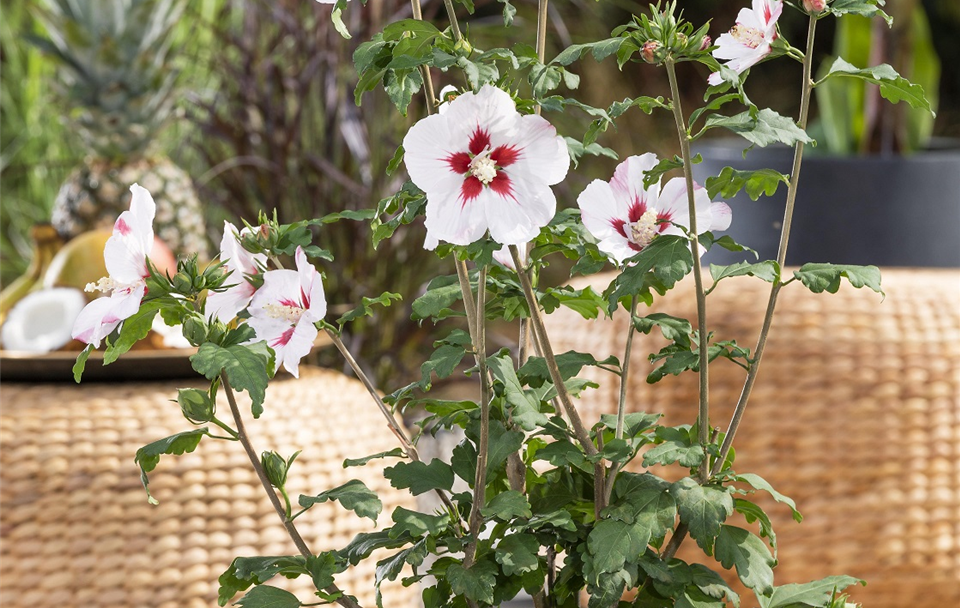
[100, 317]
[311, 288]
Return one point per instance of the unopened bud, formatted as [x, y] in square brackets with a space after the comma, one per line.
[649, 51]
[814, 7]
[705, 43]
[264, 231]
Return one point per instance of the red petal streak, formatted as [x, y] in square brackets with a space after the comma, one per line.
[637, 209]
[122, 227]
[304, 298]
[620, 226]
[289, 302]
[505, 155]
[470, 189]
[501, 185]
[479, 141]
[283, 338]
[459, 162]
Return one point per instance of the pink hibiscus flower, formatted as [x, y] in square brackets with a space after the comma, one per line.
[750, 39]
[625, 217]
[125, 255]
[485, 167]
[283, 311]
[225, 305]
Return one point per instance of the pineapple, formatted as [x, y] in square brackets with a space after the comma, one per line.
[117, 87]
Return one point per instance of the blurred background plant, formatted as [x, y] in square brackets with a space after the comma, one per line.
[267, 120]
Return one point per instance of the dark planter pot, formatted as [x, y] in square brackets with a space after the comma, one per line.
[896, 211]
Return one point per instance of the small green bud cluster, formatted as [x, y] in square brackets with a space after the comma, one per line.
[664, 33]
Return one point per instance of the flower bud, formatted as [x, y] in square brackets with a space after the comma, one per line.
[649, 51]
[195, 405]
[705, 43]
[814, 7]
[275, 467]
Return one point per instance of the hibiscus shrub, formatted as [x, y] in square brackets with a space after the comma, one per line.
[552, 510]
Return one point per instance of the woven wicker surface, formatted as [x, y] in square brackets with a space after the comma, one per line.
[855, 415]
[76, 526]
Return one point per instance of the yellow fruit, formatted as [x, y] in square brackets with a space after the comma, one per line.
[46, 243]
[80, 261]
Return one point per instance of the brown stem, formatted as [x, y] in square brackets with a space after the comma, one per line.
[289, 526]
[703, 416]
[408, 447]
[781, 255]
[483, 449]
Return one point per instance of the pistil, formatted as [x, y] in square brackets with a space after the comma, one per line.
[747, 36]
[483, 167]
[286, 312]
[643, 231]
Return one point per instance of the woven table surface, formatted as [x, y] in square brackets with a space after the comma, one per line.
[77, 530]
[855, 415]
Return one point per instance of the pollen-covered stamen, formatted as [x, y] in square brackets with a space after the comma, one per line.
[747, 36]
[483, 167]
[642, 231]
[287, 312]
[109, 286]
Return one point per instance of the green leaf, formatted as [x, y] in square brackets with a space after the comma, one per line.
[360, 215]
[745, 551]
[81, 362]
[420, 477]
[268, 597]
[246, 571]
[359, 462]
[507, 506]
[826, 277]
[133, 329]
[365, 543]
[365, 309]
[677, 447]
[525, 409]
[475, 583]
[509, 12]
[401, 85]
[674, 329]
[535, 373]
[612, 542]
[650, 504]
[416, 27]
[353, 495]
[667, 256]
[752, 512]
[517, 554]
[600, 50]
[865, 8]
[442, 293]
[766, 128]
[246, 366]
[893, 87]
[502, 443]
[694, 598]
[759, 483]
[389, 568]
[768, 271]
[731, 181]
[417, 524]
[703, 509]
[149, 455]
[712, 584]
[807, 595]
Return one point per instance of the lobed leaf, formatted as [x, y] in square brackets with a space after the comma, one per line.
[826, 277]
[731, 181]
[353, 495]
[703, 508]
[247, 366]
[743, 550]
[807, 595]
[149, 455]
[420, 477]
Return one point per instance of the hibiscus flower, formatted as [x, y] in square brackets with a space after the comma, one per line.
[125, 255]
[749, 40]
[625, 217]
[225, 305]
[485, 167]
[284, 310]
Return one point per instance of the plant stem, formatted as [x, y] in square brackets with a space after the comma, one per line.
[344, 600]
[550, 359]
[392, 423]
[703, 416]
[540, 335]
[424, 70]
[621, 405]
[483, 449]
[542, 6]
[454, 24]
[781, 254]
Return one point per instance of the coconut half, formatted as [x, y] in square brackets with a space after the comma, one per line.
[42, 321]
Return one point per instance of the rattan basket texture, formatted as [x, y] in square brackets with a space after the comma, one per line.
[77, 530]
[855, 415]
